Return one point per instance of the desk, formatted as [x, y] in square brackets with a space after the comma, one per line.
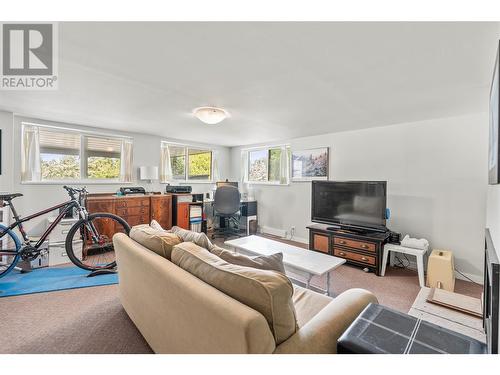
[248, 211]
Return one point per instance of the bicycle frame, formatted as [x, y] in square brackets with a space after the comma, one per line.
[19, 221]
[85, 230]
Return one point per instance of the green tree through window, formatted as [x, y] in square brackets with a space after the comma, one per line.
[200, 165]
[60, 167]
[103, 167]
[274, 164]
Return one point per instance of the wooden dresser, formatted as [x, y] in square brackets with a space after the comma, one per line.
[135, 209]
[364, 250]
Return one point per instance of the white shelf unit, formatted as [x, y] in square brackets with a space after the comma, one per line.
[4, 220]
[195, 218]
[57, 241]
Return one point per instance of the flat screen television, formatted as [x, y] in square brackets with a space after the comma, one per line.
[491, 295]
[358, 205]
[493, 153]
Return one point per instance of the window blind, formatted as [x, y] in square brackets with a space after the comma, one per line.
[57, 142]
[103, 147]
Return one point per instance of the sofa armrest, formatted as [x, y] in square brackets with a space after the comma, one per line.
[320, 334]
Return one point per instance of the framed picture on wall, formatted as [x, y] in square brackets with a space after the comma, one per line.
[310, 164]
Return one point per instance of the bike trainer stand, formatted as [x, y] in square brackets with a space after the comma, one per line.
[101, 272]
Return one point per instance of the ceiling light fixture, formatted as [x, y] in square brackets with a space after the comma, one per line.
[210, 115]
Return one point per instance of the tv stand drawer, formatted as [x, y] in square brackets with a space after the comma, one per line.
[320, 243]
[361, 258]
[366, 246]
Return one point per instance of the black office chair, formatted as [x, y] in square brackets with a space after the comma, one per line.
[227, 211]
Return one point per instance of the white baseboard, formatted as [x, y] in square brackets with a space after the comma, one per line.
[301, 240]
[476, 278]
[413, 266]
[273, 231]
[282, 233]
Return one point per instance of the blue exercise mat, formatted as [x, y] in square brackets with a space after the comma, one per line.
[51, 279]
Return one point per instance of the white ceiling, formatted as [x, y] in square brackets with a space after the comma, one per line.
[278, 80]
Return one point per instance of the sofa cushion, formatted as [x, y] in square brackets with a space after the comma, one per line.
[267, 292]
[308, 303]
[159, 241]
[272, 262]
[199, 239]
[156, 225]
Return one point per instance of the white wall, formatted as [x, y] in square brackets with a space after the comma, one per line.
[40, 196]
[436, 172]
[6, 125]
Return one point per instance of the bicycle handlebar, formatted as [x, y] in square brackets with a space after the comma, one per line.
[71, 190]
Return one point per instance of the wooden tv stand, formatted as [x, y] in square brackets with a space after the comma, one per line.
[360, 249]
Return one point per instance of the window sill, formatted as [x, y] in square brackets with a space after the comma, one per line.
[80, 182]
[183, 182]
[265, 183]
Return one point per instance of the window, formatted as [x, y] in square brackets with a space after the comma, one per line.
[266, 165]
[199, 164]
[257, 169]
[59, 154]
[178, 162]
[186, 163]
[103, 157]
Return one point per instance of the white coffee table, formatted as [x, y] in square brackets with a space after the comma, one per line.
[298, 261]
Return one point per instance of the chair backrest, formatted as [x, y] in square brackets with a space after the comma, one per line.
[227, 200]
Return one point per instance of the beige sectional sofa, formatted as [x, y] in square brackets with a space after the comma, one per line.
[177, 312]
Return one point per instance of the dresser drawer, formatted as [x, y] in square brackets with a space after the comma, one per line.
[367, 246]
[126, 211]
[61, 230]
[137, 219]
[58, 255]
[100, 205]
[132, 202]
[366, 259]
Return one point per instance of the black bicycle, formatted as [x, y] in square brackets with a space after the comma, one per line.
[89, 243]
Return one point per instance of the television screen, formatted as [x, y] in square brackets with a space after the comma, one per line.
[493, 154]
[356, 203]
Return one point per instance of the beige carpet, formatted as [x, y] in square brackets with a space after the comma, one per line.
[91, 320]
[88, 320]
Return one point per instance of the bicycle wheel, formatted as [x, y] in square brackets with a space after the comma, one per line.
[89, 243]
[9, 250]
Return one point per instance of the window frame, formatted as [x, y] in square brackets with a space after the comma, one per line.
[268, 150]
[185, 162]
[187, 147]
[82, 155]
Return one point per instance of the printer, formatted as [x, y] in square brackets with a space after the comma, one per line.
[132, 190]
